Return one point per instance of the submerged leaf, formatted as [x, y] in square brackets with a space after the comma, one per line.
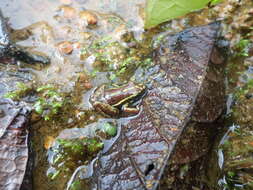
[159, 11]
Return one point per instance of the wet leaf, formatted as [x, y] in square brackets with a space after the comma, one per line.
[137, 158]
[214, 2]
[13, 143]
[158, 11]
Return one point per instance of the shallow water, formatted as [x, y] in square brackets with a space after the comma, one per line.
[45, 24]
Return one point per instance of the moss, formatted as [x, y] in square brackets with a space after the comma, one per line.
[80, 146]
[76, 185]
[115, 58]
[49, 101]
[68, 154]
[110, 129]
[242, 48]
[94, 146]
[22, 91]
[242, 91]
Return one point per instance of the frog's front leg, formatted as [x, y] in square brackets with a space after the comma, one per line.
[106, 109]
[127, 111]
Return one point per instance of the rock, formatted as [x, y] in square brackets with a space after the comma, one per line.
[10, 50]
[65, 47]
[89, 16]
[68, 12]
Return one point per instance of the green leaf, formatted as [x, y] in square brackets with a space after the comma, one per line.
[159, 11]
[214, 2]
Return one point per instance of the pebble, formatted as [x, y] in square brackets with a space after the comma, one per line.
[68, 12]
[65, 47]
[90, 17]
[83, 77]
[48, 142]
[84, 80]
[87, 85]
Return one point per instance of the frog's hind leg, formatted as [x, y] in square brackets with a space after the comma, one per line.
[106, 111]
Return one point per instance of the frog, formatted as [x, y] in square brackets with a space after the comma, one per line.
[119, 101]
[8, 49]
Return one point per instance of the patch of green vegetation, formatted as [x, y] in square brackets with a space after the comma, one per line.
[72, 146]
[45, 87]
[110, 129]
[49, 103]
[22, 90]
[244, 90]
[49, 100]
[93, 73]
[238, 160]
[158, 40]
[76, 185]
[231, 181]
[80, 146]
[67, 154]
[101, 43]
[242, 48]
[114, 58]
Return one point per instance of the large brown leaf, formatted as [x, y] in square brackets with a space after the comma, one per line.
[13, 144]
[137, 158]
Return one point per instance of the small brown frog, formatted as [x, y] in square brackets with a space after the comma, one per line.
[121, 101]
